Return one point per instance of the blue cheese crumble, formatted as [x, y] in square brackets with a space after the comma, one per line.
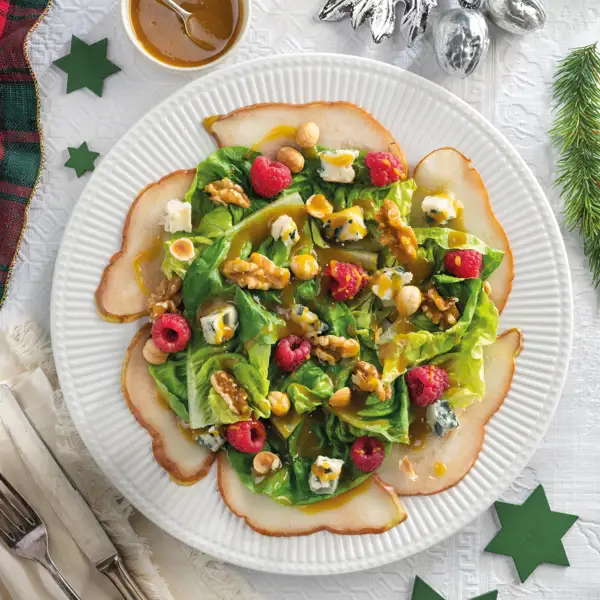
[441, 418]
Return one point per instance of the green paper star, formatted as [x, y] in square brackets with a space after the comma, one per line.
[422, 591]
[531, 533]
[81, 159]
[86, 66]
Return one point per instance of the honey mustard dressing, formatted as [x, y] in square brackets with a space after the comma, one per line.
[141, 258]
[259, 230]
[277, 133]
[456, 239]
[440, 468]
[215, 26]
[338, 160]
[337, 501]
[208, 122]
[418, 430]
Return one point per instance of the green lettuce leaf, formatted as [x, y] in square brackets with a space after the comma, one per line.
[465, 363]
[172, 266]
[398, 351]
[233, 162]
[215, 223]
[388, 420]
[206, 407]
[171, 381]
[257, 324]
[308, 387]
[436, 240]
[203, 279]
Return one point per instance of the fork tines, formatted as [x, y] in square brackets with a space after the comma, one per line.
[17, 517]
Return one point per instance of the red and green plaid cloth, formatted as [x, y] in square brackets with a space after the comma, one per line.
[20, 146]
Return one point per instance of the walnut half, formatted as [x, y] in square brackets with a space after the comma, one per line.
[440, 311]
[257, 273]
[396, 234]
[226, 192]
[235, 396]
[366, 378]
[166, 298]
[332, 348]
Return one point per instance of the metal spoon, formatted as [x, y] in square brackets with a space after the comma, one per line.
[188, 17]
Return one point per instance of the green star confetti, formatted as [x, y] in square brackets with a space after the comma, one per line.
[81, 159]
[86, 66]
[531, 533]
[422, 591]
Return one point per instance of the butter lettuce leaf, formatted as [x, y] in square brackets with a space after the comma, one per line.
[233, 162]
[203, 279]
[435, 241]
[307, 387]
[399, 351]
[206, 407]
[171, 381]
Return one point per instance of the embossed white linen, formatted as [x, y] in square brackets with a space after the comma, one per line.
[512, 90]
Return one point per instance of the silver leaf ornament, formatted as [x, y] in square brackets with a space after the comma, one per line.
[381, 15]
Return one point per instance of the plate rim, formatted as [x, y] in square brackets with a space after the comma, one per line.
[506, 149]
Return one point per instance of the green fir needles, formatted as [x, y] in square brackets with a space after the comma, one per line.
[576, 136]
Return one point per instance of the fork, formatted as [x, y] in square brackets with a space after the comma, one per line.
[24, 532]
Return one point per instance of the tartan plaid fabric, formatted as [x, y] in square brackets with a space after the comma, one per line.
[20, 149]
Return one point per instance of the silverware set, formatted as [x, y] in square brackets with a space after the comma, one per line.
[22, 529]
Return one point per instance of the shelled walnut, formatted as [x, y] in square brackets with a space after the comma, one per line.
[332, 348]
[440, 311]
[226, 192]
[257, 273]
[235, 396]
[166, 298]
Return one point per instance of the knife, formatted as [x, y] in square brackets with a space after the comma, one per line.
[62, 495]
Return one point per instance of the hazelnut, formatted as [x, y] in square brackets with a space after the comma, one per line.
[291, 158]
[304, 266]
[341, 398]
[307, 135]
[487, 287]
[153, 355]
[408, 300]
[265, 461]
[280, 403]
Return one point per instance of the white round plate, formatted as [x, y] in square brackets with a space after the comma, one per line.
[422, 117]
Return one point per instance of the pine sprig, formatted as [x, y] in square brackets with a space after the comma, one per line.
[576, 136]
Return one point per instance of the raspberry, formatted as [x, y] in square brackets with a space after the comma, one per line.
[346, 279]
[247, 436]
[367, 453]
[291, 352]
[171, 333]
[384, 168]
[466, 264]
[269, 177]
[426, 384]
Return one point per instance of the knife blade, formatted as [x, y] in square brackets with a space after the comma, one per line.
[65, 499]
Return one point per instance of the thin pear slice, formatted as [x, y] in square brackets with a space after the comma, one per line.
[269, 127]
[458, 451]
[447, 170]
[122, 293]
[372, 508]
[186, 461]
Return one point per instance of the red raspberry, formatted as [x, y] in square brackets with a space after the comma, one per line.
[367, 453]
[171, 333]
[247, 436]
[269, 177]
[291, 352]
[384, 168]
[346, 279]
[466, 264]
[426, 384]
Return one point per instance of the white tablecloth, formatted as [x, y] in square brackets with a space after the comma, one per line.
[512, 89]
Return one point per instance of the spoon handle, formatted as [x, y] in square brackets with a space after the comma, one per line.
[184, 14]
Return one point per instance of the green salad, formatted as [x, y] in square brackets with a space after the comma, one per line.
[305, 324]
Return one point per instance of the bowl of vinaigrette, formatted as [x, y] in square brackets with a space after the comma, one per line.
[159, 33]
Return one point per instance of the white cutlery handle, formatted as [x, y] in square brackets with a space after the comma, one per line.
[62, 583]
[116, 572]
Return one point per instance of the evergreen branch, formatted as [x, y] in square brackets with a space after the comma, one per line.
[576, 136]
